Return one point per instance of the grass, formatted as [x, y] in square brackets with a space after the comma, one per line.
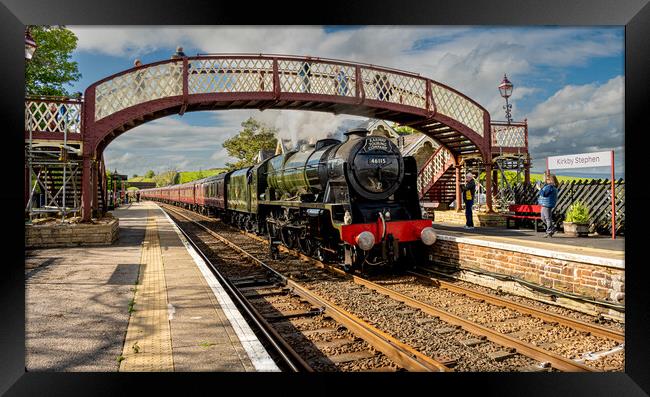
[136, 348]
[131, 304]
[120, 358]
[189, 176]
[206, 344]
[140, 179]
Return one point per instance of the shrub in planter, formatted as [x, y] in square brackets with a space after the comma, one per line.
[576, 221]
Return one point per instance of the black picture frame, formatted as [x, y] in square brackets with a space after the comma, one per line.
[633, 14]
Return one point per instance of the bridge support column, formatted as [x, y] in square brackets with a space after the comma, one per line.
[95, 204]
[27, 184]
[488, 187]
[459, 199]
[86, 189]
[527, 171]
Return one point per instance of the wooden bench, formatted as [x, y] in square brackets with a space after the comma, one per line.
[524, 211]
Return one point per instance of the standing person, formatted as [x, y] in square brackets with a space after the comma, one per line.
[305, 74]
[383, 87]
[138, 80]
[547, 199]
[468, 197]
[341, 82]
[137, 196]
[179, 54]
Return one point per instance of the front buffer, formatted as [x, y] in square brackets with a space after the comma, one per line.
[385, 242]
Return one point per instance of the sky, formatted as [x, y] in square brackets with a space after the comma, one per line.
[568, 83]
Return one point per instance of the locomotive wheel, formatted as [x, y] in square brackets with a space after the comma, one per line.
[288, 238]
[306, 246]
[319, 254]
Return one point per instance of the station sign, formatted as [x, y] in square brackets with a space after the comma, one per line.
[584, 160]
[581, 160]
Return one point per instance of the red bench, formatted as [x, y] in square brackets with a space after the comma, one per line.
[524, 211]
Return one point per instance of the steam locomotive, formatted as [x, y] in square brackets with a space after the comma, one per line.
[354, 202]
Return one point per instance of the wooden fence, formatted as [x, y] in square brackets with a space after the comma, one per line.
[595, 193]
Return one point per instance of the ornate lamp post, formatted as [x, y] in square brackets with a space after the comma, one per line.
[30, 45]
[505, 89]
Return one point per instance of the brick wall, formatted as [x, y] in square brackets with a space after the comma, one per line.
[71, 235]
[571, 274]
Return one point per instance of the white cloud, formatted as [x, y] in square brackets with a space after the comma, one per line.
[580, 118]
[470, 60]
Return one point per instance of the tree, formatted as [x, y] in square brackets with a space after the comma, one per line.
[403, 129]
[135, 175]
[149, 174]
[51, 68]
[169, 177]
[253, 137]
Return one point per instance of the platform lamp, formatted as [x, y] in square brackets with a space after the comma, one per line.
[505, 89]
[30, 45]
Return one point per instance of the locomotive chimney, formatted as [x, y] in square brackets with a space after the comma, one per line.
[356, 133]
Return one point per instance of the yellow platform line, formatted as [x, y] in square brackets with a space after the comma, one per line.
[148, 345]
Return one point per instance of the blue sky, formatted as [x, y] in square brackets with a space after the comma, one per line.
[568, 82]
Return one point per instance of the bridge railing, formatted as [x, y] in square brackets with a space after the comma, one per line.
[284, 74]
[139, 85]
[509, 135]
[53, 115]
[433, 169]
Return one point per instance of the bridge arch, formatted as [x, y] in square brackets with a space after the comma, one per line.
[140, 94]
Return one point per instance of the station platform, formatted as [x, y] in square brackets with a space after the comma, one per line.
[146, 303]
[597, 246]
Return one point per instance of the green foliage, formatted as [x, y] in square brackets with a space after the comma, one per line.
[511, 176]
[135, 175]
[140, 179]
[403, 129]
[51, 68]
[189, 176]
[170, 177]
[149, 174]
[253, 137]
[578, 212]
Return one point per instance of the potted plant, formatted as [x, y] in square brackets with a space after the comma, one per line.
[576, 221]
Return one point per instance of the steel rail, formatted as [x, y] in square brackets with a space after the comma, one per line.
[594, 329]
[399, 352]
[288, 355]
[530, 350]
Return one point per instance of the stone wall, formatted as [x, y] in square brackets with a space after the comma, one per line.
[71, 235]
[591, 277]
[480, 218]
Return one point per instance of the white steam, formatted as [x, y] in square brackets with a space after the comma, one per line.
[304, 126]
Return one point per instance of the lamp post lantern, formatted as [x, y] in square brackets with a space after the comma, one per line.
[30, 45]
[505, 89]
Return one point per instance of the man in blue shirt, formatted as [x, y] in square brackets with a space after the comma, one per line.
[547, 199]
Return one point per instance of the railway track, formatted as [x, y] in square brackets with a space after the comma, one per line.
[473, 331]
[310, 333]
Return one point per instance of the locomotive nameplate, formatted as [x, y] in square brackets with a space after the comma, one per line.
[376, 143]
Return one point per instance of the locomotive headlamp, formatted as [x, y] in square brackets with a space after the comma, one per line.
[428, 236]
[365, 240]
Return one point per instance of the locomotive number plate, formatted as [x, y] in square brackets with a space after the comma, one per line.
[377, 160]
